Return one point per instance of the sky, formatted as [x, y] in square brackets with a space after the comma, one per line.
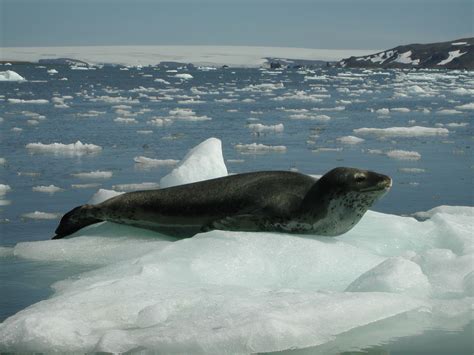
[328, 24]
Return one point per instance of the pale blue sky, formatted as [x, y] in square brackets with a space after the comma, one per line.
[336, 24]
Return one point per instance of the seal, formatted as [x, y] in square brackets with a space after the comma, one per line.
[280, 201]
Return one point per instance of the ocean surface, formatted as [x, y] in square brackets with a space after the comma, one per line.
[415, 126]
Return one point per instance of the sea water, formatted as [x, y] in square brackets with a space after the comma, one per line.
[136, 123]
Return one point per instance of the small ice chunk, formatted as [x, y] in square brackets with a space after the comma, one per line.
[404, 155]
[94, 175]
[261, 128]
[34, 101]
[383, 111]
[184, 76]
[10, 75]
[414, 131]
[395, 274]
[47, 189]
[205, 161]
[469, 106]
[350, 140]
[41, 215]
[448, 112]
[73, 149]
[154, 162]
[4, 189]
[256, 148]
[3, 161]
[125, 120]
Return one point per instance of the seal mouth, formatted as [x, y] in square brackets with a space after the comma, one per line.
[383, 185]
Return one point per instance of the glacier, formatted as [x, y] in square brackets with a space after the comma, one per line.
[241, 292]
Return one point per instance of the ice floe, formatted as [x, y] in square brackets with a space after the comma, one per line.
[47, 189]
[154, 162]
[73, 149]
[4, 189]
[41, 215]
[468, 106]
[415, 131]
[255, 148]
[350, 140]
[97, 174]
[403, 155]
[33, 101]
[261, 128]
[10, 75]
[202, 162]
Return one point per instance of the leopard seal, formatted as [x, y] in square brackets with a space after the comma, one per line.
[280, 201]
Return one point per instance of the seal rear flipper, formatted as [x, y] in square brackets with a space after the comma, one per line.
[75, 220]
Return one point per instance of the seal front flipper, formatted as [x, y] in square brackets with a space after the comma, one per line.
[74, 220]
[245, 222]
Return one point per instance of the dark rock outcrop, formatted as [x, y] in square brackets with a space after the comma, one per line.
[457, 54]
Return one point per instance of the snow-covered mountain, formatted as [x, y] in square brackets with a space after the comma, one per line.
[457, 54]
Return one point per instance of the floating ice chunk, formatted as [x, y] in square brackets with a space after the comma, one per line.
[350, 140]
[415, 89]
[136, 187]
[415, 131]
[448, 112]
[404, 155]
[163, 81]
[184, 76]
[457, 124]
[451, 55]
[85, 186]
[155, 162]
[397, 275]
[383, 111]
[260, 128]
[35, 101]
[52, 71]
[255, 148]
[5, 252]
[400, 109]
[3, 161]
[47, 189]
[463, 91]
[469, 106]
[102, 195]
[187, 114]
[160, 121]
[40, 215]
[77, 148]
[10, 75]
[144, 131]
[204, 161]
[125, 120]
[4, 189]
[308, 116]
[412, 170]
[94, 175]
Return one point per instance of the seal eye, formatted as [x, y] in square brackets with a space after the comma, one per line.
[360, 178]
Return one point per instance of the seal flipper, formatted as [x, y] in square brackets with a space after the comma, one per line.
[74, 220]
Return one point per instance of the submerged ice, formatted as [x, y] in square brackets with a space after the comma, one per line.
[240, 292]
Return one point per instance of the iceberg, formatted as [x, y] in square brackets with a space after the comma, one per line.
[242, 292]
[10, 75]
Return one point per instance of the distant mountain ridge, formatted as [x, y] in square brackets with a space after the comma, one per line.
[457, 54]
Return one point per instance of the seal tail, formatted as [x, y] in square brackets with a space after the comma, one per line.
[74, 220]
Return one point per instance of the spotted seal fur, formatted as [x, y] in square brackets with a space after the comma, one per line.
[280, 201]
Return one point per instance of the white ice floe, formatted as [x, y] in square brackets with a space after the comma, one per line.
[125, 120]
[33, 101]
[41, 215]
[154, 162]
[448, 112]
[3, 161]
[250, 292]
[350, 140]
[400, 109]
[94, 175]
[73, 149]
[309, 116]
[136, 187]
[404, 155]
[383, 111]
[47, 189]
[4, 189]
[10, 75]
[52, 71]
[451, 55]
[202, 162]
[160, 121]
[412, 170]
[415, 131]
[162, 81]
[85, 186]
[255, 148]
[261, 128]
[184, 76]
[186, 114]
[468, 106]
